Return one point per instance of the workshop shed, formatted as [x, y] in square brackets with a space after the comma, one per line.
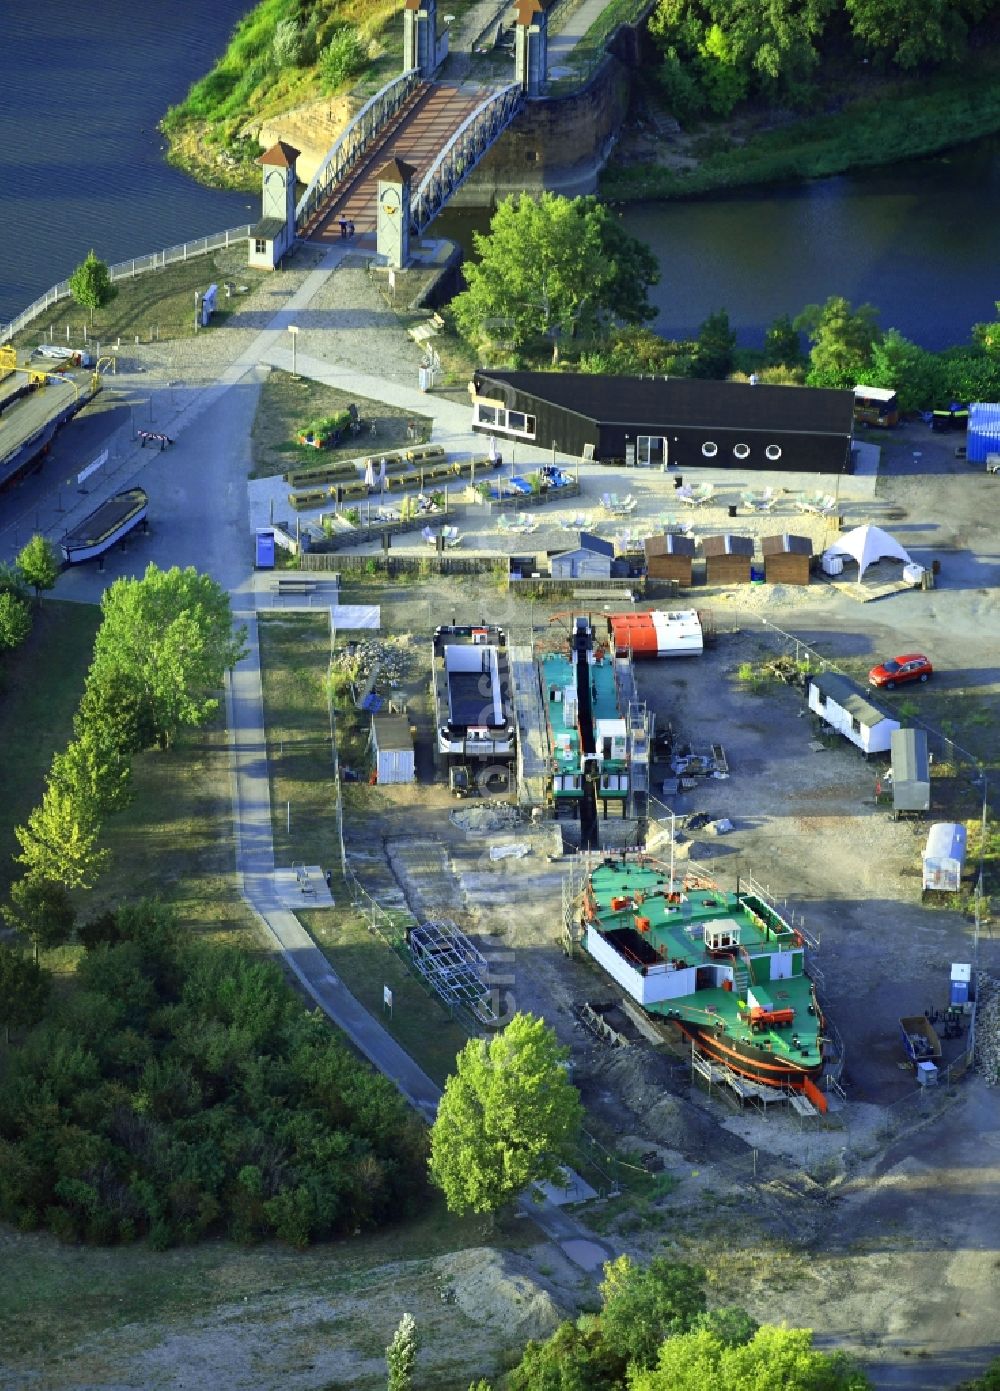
[845, 706]
[944, 857]
[727, 559]
[392, 745]
[670, 557]
[911, 774]
[787, 558]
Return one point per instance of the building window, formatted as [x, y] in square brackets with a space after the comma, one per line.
[710, 449]
[260, 247]
[741, 451]
[507, 422]
[773, 452]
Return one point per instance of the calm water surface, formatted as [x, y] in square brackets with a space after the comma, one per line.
[81, 90]
[921, 242]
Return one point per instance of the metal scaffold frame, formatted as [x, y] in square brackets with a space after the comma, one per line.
[354, 140]
[454, 967]
[464, 150]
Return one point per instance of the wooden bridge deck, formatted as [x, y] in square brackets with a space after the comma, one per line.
[417, 134]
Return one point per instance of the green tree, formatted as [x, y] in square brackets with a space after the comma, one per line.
[989, 1381]
[715, 347]
[40, 909]
[59, 842]
[913, 33]
[92, 773]
[775, 1359]
[732, 1325]
[574, 1358]
[15, 621]
[911, 371]
[24, 990]
[38, 563]
[507, 1119]
[90, 284]
[170, 637]
[552, 270]
[401, 1355]
[842, 339]
[116, 711]
[642, 1305]
[782, 345]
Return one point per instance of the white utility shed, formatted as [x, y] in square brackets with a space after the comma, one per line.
[392, 745]
[944, 857]
[845, 706]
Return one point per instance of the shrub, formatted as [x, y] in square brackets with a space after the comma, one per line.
[343, 58]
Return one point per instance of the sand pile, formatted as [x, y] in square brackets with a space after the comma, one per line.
[496, 1290]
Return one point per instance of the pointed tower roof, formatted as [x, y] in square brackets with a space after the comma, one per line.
[280, 154]
[395, 171]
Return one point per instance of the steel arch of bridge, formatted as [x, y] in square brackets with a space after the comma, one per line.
[456, 161]
[353, 141]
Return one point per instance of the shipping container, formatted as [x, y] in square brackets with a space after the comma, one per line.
[911, 778]
[656, 633]
[984, 431]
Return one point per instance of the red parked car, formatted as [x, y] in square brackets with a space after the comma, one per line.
[914, 666]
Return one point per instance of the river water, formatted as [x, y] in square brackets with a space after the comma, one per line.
[920, 241]
[82, 87]
[81, 90]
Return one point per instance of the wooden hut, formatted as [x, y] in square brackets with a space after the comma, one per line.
[786, 558]
[727, 559]
[669, 557]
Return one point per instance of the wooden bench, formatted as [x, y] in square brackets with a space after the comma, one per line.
[293, 584]
[427, 452]
[331, 473]
[315, 497]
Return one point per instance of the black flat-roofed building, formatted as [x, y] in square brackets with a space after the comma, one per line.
[669, 420]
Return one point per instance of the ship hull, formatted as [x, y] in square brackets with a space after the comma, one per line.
[754, 1063]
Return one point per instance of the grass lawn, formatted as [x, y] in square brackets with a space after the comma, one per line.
[419, 1021]
[57, 1297]
[40, 687]
[158, 303]
[288, 403]
[294, 652]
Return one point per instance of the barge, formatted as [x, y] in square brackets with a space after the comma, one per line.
[472, 694]
[725, 968]
[109, 523]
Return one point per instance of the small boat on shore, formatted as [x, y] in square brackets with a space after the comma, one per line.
[107, 524]
[725, 968]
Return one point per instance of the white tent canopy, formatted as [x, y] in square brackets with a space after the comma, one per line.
[865, 545]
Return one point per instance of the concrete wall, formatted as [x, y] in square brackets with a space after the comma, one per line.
[557, 144]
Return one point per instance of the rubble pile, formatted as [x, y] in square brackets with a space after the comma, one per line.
[486, 817]
[988, 1027]
[391, 663]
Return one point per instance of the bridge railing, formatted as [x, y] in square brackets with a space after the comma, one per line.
[351, 143]
[127, 270]
[456, 161]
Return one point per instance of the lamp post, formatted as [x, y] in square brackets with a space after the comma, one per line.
[293, 329]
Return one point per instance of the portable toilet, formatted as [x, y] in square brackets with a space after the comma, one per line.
[960, 991]
[911, 779]
[944, 857]
[265, 548]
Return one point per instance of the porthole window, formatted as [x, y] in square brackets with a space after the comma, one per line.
[773, 452]
[742, 451]
[709, 449]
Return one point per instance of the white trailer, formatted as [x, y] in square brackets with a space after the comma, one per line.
[845, 706]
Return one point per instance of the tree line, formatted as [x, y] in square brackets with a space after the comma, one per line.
[37, 568]
[718, 54]
[560, 279]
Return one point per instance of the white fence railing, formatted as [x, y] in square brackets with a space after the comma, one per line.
[126, 270]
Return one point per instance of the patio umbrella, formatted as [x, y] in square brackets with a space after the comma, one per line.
[382, 474]
[369, 473]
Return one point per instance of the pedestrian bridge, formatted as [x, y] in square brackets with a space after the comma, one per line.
[441, 129]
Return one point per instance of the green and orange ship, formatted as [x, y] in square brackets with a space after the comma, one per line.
[725, 968]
